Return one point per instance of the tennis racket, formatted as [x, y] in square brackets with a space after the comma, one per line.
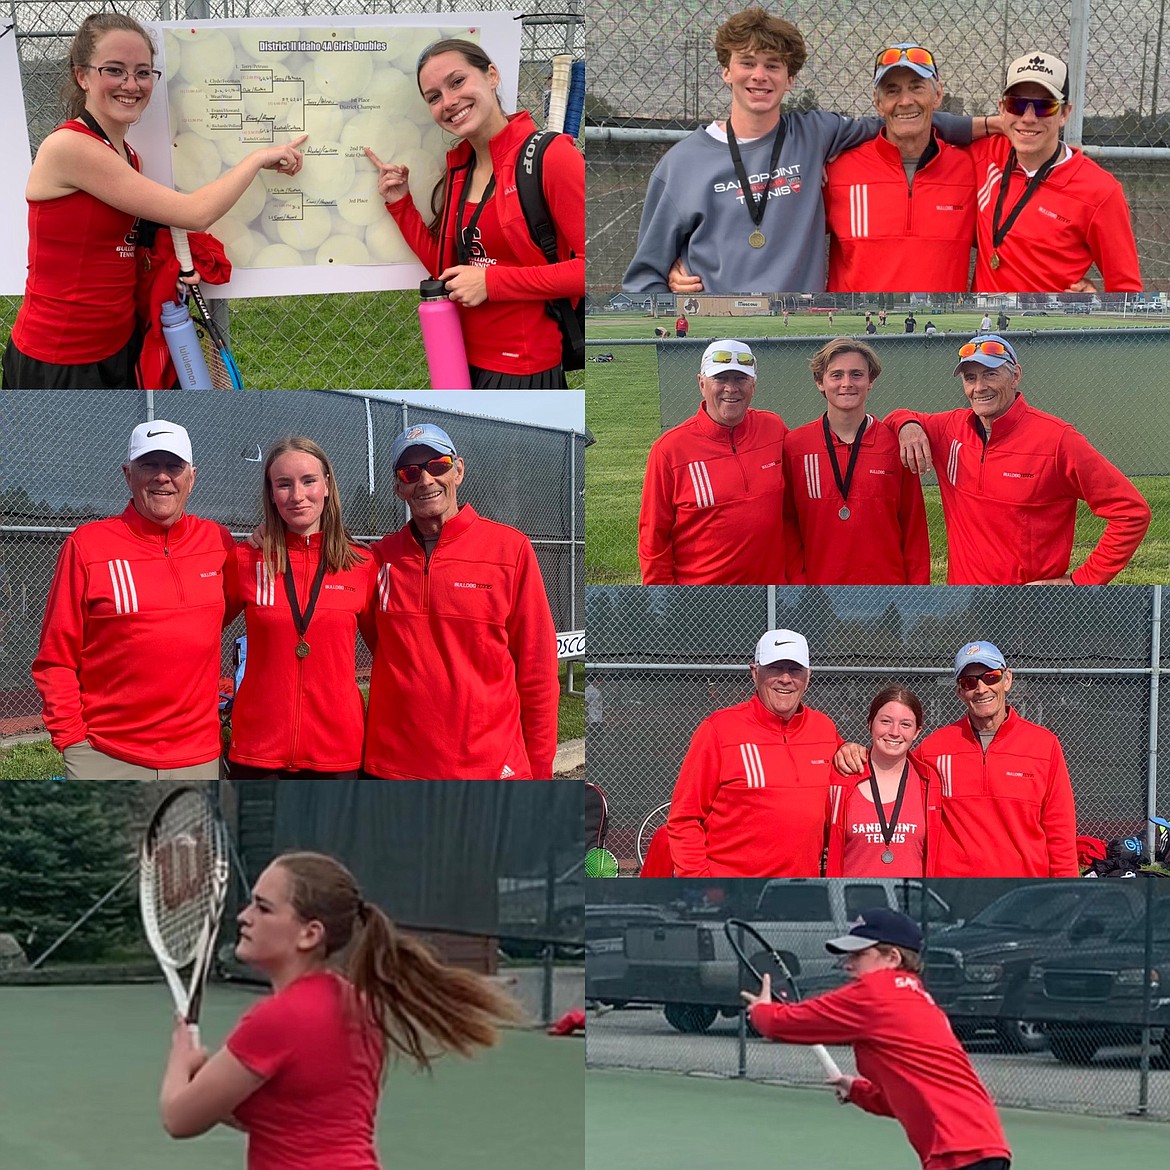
[736, 930]
[601, 863]
[566, 101]
[221, 363]
[183, 876]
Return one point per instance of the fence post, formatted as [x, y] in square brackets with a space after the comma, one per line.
[1078, 66]
[1155, 687]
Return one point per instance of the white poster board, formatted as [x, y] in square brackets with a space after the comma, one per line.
[349, 82]
[18, 160]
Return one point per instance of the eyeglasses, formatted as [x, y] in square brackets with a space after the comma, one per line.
[1044, 107]
[117, 73]
[727, 357]
[969, 682]
[916, 55]
[410, 472]
[989, 348]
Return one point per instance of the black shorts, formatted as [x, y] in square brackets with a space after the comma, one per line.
[988, 1164]
[553, 379]
[248, 772]
[116, 372]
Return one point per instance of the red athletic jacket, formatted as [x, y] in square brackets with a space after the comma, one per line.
[78, 302]
[528, 287]
[296, 713]
[1010, 813]
[712, 503]
[1077, 217]
[750, 796]
[1010, 504]
[465, 670]
[884, 541]
[910, 1065]
[886, 235]
[837, 816]
[130, 646]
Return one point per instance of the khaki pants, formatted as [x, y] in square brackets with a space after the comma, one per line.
[85, 762]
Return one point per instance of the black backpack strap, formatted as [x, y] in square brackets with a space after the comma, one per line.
[530, 191]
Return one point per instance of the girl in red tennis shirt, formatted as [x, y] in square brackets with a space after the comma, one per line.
[478, 241]
[910, 1065]
[298, 712]
[300, 1072]
[76, 327]
[887, 821]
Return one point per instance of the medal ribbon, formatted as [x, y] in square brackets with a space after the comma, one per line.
[755, 209]
[888, 829]
[301, 621]
[998, 233]
[843, 485]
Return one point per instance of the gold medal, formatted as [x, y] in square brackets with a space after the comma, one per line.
[756, 239]
[994, 260]
[302, 649]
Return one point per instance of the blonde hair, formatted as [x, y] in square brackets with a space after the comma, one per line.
[415, 1000]
[336, 544]
[839, 346]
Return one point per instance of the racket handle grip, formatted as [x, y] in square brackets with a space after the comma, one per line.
[193, 1032]
[183, 251]
[827, 1062]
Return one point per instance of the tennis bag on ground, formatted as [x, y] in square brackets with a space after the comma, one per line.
[530, 189]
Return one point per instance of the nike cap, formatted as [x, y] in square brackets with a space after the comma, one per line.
[782, 646]
[160, 435]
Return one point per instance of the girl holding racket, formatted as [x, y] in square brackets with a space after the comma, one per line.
[76, 327]
[298, 712]
[887, 821]
[910, 1065]
[478, 241]
[301, 1071]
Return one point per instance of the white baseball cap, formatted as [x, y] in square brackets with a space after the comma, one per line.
[782, 646]
[160, 435]
[1043, 69]
[726, 357]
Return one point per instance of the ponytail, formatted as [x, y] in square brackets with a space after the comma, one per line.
[419, 1002]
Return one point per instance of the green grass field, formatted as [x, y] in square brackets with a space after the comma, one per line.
[622, 411]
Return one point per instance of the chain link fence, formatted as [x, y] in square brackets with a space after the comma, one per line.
[1055, 988]
[1088, 664]
[353, 340]
[653, 78]
[1064, 371]
[60, 466]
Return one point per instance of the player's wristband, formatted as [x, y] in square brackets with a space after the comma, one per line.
[986, 126]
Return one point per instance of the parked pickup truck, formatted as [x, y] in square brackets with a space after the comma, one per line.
[978, 972]
[690, 968]
[1091, 997]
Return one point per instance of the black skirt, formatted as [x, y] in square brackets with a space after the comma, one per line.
[553, 379]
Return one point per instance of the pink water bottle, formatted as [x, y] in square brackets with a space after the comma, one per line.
[442, 338]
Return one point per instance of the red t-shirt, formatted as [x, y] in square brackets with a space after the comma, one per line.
[515, 337]
[864, 844]
[321, 1066]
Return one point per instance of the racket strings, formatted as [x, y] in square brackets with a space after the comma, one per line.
[221, 378]
[182, 877]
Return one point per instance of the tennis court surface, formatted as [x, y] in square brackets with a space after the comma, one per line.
[80, 1069]
[662, 1121]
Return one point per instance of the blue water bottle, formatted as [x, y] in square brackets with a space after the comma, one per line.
[183, 342]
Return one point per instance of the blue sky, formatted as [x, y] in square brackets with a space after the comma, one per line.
[551, 408]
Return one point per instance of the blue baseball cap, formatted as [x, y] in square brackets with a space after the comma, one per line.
[904, 62]
[991, 360]
[877, 925]
[422, 435]
[981, 654]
